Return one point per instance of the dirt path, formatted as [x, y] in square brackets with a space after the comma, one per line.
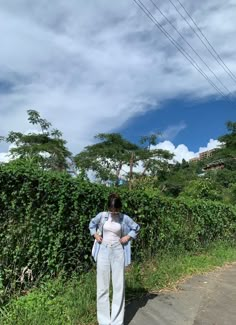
[208, 299]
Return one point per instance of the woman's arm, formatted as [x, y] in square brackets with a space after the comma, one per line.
[133, 226]
[94, 222]
[133, 229]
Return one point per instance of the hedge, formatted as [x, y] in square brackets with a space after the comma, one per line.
[44, 220]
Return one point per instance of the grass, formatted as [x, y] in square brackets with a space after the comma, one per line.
[164, 271]
[74, 302]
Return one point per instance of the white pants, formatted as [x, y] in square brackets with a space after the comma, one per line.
[110, 261]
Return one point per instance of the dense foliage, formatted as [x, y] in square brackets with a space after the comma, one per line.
[44, 220]
[43, 147]
[44, 211]
[193, 179]
[109, 157]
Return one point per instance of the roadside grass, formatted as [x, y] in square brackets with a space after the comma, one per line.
[74, 302]
[165, 270]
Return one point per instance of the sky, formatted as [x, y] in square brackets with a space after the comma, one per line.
[103, 66]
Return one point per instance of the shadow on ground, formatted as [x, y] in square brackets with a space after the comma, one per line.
[141, 298]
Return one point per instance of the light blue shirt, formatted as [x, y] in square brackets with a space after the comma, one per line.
[128, 227]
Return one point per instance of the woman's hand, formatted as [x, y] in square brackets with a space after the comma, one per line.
[125, 239]
[98, 238]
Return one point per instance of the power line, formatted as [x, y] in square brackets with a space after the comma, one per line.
[184, 39]
[206, 43]
[179, 47]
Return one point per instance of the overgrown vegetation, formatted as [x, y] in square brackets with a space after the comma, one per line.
[189, 179]
[44, 220]
[45, 211]
[73, 302]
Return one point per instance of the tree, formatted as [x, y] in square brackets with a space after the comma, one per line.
[180, 174]
[46, 148]
[228, 142]
[189, 178]
[108, 157]
[154, 160]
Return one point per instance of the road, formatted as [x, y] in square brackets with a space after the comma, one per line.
[208, 299]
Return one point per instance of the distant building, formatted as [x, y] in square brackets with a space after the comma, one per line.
[217, 164]
[203, 155]
[206, 154]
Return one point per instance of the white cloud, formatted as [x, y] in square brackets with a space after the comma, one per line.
[4, 157]
[172, 131]
[90, 66]
[182, 152]
[211, 145]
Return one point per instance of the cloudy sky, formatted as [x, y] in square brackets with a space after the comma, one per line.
[103, 66]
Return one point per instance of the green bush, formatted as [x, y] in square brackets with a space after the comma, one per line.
[44, 220]
[44, 224]
[205, 189]
[56, 302]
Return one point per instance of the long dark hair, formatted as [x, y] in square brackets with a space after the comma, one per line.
[114, 202]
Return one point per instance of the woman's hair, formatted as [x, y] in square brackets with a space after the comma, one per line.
[114, 201]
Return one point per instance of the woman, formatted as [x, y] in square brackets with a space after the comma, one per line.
[112, 231]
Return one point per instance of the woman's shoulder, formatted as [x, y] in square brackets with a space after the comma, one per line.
[100, 215]
[125, 216]
[103, 214]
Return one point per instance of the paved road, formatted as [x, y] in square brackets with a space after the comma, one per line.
[208, 299]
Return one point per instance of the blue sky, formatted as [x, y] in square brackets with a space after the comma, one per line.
[191, 123]
[102, 66]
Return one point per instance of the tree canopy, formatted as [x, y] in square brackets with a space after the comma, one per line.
[45, 148]
[108, 158]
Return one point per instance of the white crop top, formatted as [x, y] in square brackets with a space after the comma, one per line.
[111, 230]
